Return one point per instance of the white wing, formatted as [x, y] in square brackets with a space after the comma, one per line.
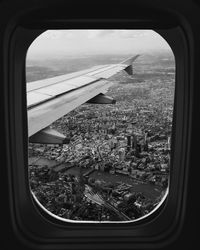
[50, 99]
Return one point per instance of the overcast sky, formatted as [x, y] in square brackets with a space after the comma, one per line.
[83, 42]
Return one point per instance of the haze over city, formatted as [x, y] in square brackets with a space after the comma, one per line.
[53, 43]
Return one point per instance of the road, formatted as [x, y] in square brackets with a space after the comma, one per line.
[95, 197]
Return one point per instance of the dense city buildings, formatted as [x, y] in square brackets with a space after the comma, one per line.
[116, 166]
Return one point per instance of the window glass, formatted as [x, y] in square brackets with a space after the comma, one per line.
[90, 160]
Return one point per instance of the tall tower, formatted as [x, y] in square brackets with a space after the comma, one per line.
[121, 154]
[128, 142]
[134, 142]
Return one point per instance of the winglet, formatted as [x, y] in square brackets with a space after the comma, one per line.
[129, 62]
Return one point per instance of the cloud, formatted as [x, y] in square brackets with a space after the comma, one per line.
[104, 33]
[57, 35]
[97, 41]
[99, 33]
[127, 34]
[131, 33]
[52, 35]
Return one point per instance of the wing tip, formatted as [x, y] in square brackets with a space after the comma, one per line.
[130, 60]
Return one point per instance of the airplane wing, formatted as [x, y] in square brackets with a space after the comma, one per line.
[50, 99]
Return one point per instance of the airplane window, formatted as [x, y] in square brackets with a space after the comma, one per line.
[100, 110]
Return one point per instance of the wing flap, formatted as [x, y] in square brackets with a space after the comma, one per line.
[36, 98]
[63, 87]
[58, 79]
[107, 73]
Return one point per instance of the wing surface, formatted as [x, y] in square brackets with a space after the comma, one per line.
[50, 99]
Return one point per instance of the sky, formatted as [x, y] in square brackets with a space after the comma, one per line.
[89, 42]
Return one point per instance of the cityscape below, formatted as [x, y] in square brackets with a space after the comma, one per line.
[116, 164]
